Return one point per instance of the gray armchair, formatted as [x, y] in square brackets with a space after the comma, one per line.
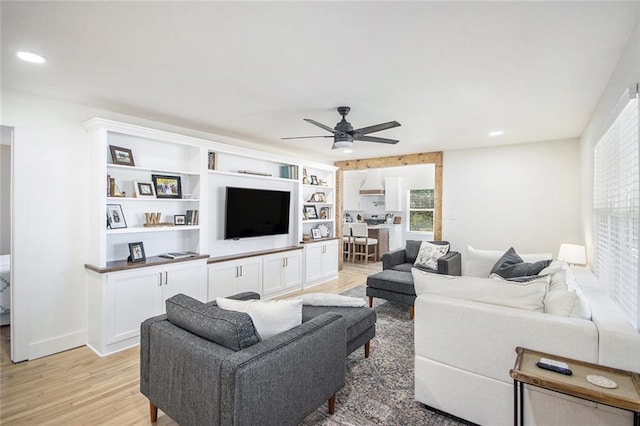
[203, 365]
[402, 259]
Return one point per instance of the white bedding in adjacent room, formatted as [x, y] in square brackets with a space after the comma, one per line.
[5, 281]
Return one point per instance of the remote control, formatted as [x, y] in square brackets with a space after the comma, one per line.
[554, 362]
[554, 368]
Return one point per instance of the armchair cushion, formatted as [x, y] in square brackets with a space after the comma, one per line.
[233, 330]
[429, 254]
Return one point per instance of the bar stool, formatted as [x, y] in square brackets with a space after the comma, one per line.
[346, 240]
[362, 242]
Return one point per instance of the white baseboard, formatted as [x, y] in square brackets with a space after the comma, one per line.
[57, 344]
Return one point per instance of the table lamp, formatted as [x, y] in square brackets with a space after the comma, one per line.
[573, 254]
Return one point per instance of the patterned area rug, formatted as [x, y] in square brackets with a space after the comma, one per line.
[379, 389]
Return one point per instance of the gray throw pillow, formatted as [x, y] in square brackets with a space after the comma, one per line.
[233, 330]
[510, 265]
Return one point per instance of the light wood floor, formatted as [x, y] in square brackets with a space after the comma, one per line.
[77, 387]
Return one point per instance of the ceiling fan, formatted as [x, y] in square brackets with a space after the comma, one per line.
[344, 134]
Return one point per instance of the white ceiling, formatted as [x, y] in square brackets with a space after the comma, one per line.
[449, 72]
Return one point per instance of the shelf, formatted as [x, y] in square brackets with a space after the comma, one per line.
[317, 186]
[132, 199]
[147, 170]
[148, 229]
[249, 175]
[317, 220]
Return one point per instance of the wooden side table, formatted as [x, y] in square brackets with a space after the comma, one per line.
[626, 396]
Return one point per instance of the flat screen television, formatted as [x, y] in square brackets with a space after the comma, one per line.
[256, 212]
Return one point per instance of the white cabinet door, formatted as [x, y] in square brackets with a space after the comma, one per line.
[292, 272]
[272, 280]
[250, 276]
[393, 194]
[132, 297]
[330, 259]
[351, 192]
[186, 278]
[228, 278]
[313, 269]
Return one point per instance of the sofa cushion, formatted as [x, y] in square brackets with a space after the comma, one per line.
[403, 267]
[510, 265]
[269, 317]
[233, 330]
[528, 296]
[429, 254]
[478, 263]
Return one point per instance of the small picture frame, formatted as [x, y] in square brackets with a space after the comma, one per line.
[167, 186]
[316, 234]
[136, 252]
[121, 156]
[325, 213]
[179, 219]
[310, 212]
[314, 180]
[144, 190]
[318, 197]
[115, 217]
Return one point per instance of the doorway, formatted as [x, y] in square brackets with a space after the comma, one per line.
[6, 141]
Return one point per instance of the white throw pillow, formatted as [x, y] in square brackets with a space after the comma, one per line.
[327, 299]
[571, 303]
[478, 263]
[269, 317]
[526, 296]
[429, 254]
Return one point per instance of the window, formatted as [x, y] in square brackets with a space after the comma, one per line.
[421, 209]
[616, 206]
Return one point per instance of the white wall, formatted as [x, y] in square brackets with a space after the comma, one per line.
[51, 219]
[526, 196]
[626, 72]
[5, 191]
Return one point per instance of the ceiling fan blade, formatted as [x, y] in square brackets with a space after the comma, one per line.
[376, 128]
[308, 137]
[322, 126]
[374, 139]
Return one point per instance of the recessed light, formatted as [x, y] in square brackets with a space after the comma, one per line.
[30, 57]
[496, 133]
[348, 150]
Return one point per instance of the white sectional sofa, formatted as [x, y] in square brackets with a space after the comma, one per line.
[464, 348]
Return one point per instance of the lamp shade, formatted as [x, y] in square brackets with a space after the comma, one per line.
[573, 253]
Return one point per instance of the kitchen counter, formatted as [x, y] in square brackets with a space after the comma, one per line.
[381, 233]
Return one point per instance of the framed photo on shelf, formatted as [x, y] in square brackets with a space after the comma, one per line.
[325, 212]
[136, 252]
[179, 219]
[318, 197]
[121, 156]
[310, 212]
[316, 234]
[143, 190]
[167, 186]
[314, 180]
[115, 217]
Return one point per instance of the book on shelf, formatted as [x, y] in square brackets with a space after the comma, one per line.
[192, 217]
[289, 172]
[178, 255]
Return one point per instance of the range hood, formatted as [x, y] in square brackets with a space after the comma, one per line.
[373, 184]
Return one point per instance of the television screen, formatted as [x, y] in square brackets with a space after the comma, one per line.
[256, 212]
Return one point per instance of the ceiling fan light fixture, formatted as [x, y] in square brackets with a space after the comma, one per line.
[342, 144]
[31, 57]
[348, 150]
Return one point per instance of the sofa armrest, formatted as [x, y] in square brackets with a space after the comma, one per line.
[284, 378]
[481, 337]
[393, 258]
[450, 264]
[145, 331]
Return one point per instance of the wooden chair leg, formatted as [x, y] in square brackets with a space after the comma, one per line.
[371, 301]
[367, 346]
[153, 410]
[332, 404]
[411, 312]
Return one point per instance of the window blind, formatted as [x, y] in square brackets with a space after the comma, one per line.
[616, 208]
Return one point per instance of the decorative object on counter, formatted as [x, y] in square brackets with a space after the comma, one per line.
[318, 197]
[316, 233]
[306, 237]
[359, 218]
[121, 156]
[211, 160]
[136, 252]
[143, 190]
[179, 219]
[178, 255]
[314, 180]
[115, 217]
[397, 220]
[113, 190]
[305, 177]
[310, 212]
[348, 218]
[389, 217]
[325, 212]
[167, 186]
